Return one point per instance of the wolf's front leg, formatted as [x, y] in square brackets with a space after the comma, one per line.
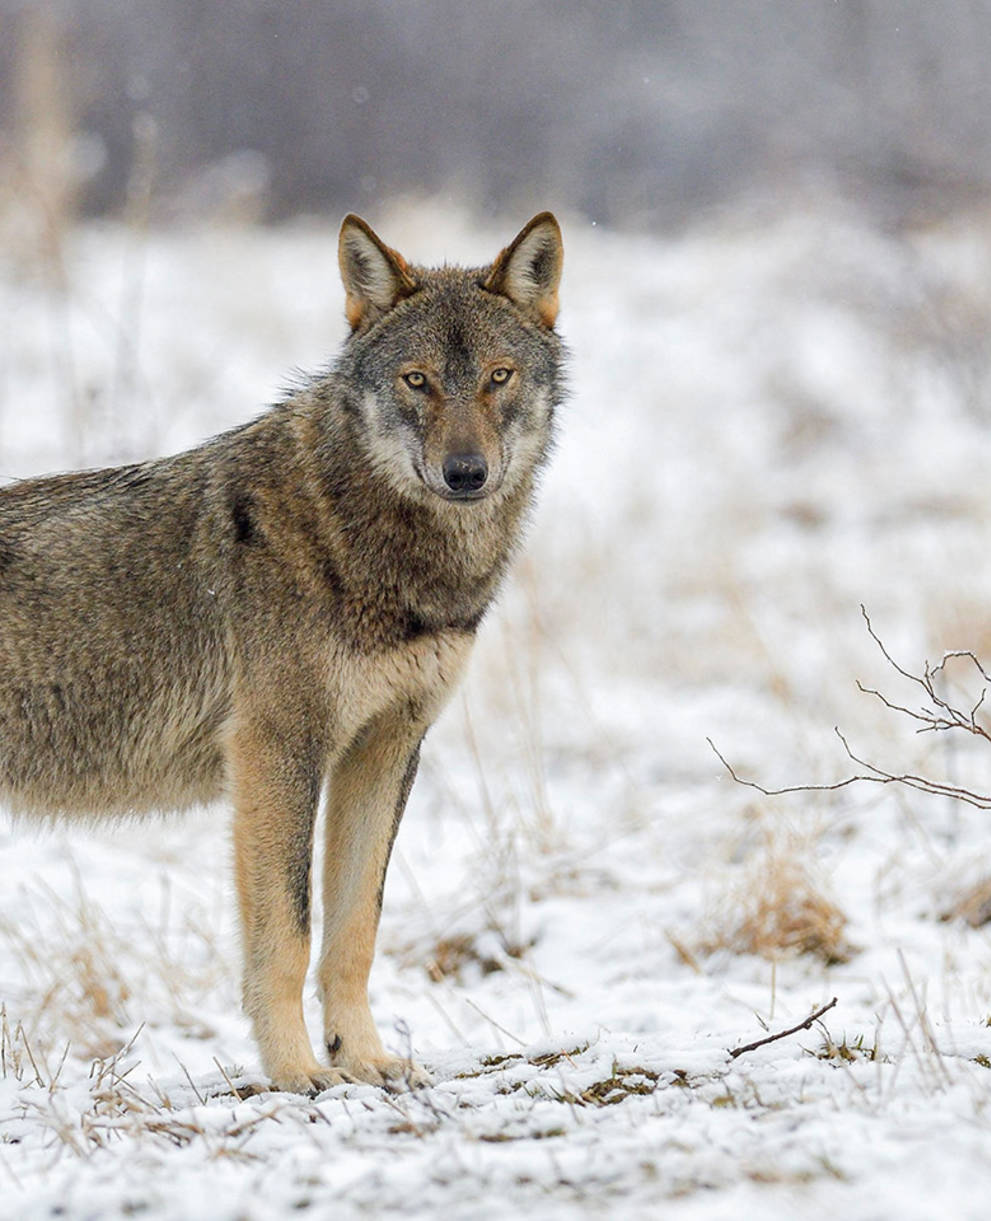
[368, 792]
[276, 792]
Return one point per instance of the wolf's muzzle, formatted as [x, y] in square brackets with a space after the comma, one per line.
[465, 474]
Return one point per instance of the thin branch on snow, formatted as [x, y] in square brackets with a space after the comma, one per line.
[782, 1034]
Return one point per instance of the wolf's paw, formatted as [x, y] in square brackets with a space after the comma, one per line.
[393, 1072]
[312, 1080]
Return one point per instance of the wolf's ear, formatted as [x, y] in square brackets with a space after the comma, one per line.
[528, 271]
[375, 277]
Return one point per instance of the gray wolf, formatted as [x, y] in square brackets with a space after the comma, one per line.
[285, 609]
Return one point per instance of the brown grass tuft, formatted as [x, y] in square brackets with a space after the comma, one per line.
[778, 908]
[88, 982]
[452, 955]
[973, 905]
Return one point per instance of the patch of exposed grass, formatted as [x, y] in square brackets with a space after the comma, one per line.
[622, 1082]
[779, 907]
[850, 1052]
[972, 905]
[451, 956]
[89, 985]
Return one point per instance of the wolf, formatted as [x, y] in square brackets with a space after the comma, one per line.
[283, 611]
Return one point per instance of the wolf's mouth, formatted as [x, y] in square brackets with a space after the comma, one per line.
[435, 483]
[480, 494]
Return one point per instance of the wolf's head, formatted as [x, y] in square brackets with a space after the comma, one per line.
[452, 373]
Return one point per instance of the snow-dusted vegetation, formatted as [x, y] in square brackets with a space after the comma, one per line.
[776, 418]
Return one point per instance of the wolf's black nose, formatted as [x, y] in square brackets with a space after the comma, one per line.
[465, 472]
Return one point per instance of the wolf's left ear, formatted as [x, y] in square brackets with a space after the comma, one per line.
[528, 271]
[375, 276]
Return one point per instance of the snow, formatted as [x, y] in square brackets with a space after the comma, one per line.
[775, 418]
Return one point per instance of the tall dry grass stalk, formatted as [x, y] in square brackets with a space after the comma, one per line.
[42, 204]
[90, 983]
[44, 119]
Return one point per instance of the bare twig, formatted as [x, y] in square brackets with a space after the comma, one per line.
[939, 716]
[874, 775]
[791, 788]
[782, 1034]
[981, 800]
[943, 715]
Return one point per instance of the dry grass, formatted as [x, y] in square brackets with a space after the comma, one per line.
[620, 1083]
[90, 983]
[972, 905]
[779, 907]
[461, 952]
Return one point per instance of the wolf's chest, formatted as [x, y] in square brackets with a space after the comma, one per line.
[419, 675]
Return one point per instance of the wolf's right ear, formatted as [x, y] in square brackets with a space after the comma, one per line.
[375, 276]
[528, 271]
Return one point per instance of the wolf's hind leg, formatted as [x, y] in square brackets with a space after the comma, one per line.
[368, 792]
[276, 792]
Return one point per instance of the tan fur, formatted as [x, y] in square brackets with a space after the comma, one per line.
[286, 608]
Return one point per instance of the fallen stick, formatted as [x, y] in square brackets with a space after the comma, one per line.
[782, 1034]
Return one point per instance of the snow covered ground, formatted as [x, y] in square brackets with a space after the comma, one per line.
[776, 417]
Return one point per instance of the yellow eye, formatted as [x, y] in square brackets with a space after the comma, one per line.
[415, 380]
[501, 376]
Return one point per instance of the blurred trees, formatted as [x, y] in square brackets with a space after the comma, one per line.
[635, 112]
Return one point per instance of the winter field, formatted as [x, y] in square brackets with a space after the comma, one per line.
[776, 418]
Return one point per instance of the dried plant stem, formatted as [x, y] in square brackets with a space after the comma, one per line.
[782, 1034]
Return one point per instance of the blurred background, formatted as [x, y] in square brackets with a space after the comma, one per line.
[636, 113]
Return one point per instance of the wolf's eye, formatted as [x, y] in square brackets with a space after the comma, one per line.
[501, 376]
[415, 380]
